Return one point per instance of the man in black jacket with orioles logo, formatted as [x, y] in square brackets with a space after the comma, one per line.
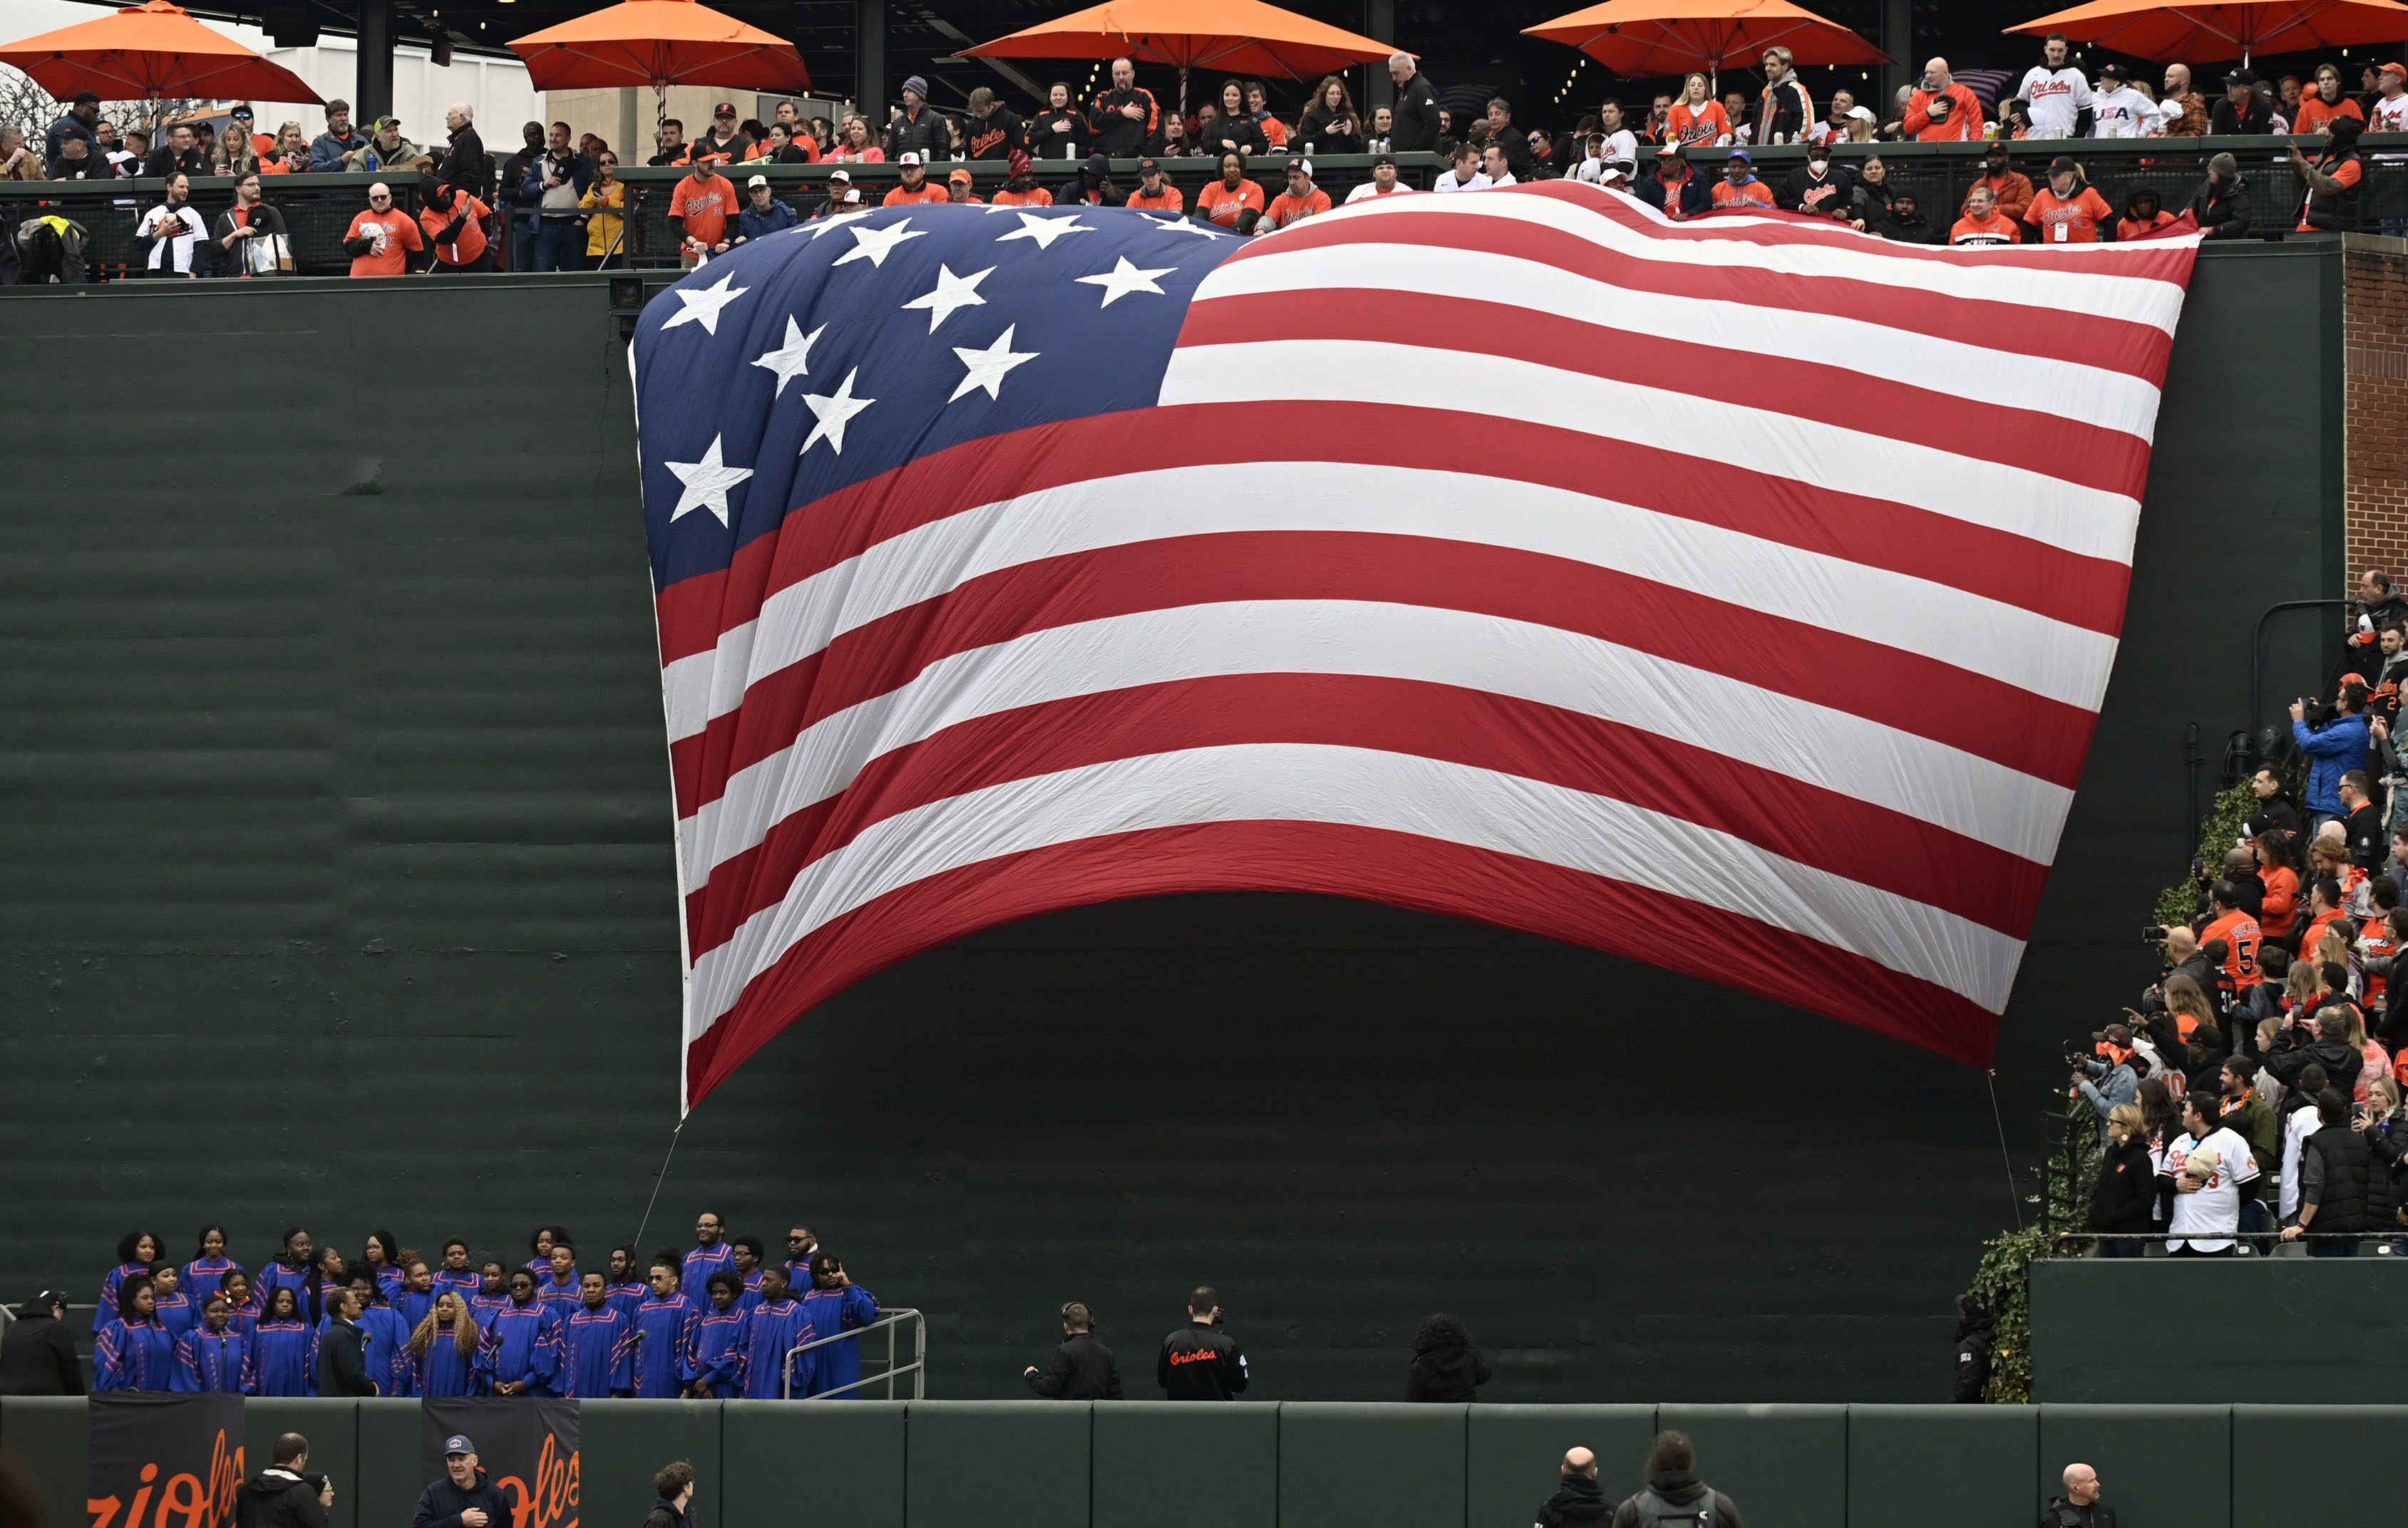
[1199, 1362]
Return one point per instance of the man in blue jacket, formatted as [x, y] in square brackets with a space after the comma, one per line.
[2334, 749]
[763, 214]
[326, 150]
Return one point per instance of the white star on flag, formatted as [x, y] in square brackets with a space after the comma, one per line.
[706, 483]
[1045, 230]
[835, 220]
[988, 367]
[702, 306]
[952, 292]
[1124, 279]
[832, 409]
[1182, 225]
[793, 358]
[876, 244]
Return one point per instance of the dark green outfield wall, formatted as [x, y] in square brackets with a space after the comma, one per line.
[337, 886]
[1034, 1464]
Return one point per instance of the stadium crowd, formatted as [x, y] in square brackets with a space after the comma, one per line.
[720, 1318]
[2255, 1094]
[557, 203]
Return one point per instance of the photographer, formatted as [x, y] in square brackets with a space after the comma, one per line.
[2334, 746]
[285, 1495]
[2118, 1078]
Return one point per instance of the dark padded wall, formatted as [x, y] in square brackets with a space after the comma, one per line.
[338, 889]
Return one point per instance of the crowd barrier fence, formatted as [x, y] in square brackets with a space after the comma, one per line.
[1003, 1464]
[318, 208]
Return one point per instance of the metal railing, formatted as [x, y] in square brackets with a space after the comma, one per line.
[890, 1320]
[318, 208]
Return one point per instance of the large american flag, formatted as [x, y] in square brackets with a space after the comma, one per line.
[1743, 584]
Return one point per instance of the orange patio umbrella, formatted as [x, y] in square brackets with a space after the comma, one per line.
[2179, 31]
[150, 51]
[660, 43]
[1643, 37]
[1238, 37]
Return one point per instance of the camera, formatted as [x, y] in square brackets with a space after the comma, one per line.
[2154, 934]
[317, 1481]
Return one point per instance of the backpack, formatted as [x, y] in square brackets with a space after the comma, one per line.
[1655, 1512]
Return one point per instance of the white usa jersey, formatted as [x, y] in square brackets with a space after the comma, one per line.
[2122, 113]
[2055, 95]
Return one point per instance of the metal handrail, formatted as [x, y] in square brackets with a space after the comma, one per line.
[889, 1320]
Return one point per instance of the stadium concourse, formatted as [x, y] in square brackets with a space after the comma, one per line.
[556, 201]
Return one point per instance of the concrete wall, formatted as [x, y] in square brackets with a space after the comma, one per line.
[335, 891]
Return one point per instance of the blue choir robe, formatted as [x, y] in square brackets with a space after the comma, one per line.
[626, 1298]
[390, 1280]
[771, 1331]
[664, 1338]
[207, 1361]
[283, 1359]
[467, 1282]
[719, 1351]
[136, 1354]
[597, 1353]
[485, 1306]
[205, 1275]
[106, 1311]
[701, 1264]
[444, 1372]
[242, 1319]
[831, 1312]
[280, 1274]
[523, 1346]
[562, 1300]
[412, 1307]
[178, 1312]
[751, 1296]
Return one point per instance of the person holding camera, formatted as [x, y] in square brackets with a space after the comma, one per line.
[465, 1497]
[2335, 743]
[285, 1495]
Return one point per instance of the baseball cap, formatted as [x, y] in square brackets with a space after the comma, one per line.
[724, 109]
[1301, 166]
[1669, 150]
[1148, 167]
[756, 180]
[458, 1444]
[911, 156]
[2399, 69]
[1742, 156]
[1862, 114]
[241, 110]
[2111, 71]
[383, 122]
[2353, 678]
[1377, 160]
[845, 176]
[852, 194]
[959, 177]
[2062, 165]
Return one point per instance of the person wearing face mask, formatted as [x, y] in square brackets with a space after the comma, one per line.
[1817, 188]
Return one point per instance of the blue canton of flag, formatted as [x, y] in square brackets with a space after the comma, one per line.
[853, 344]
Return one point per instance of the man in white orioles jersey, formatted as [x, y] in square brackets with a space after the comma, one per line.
[2057, 90]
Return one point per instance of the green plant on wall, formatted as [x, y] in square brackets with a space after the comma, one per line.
[2218, 832]
[2002, 1283]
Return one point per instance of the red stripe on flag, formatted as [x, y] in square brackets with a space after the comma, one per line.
[1895, 688]
[1424, 874]
[2077, 451]
[1814, 826]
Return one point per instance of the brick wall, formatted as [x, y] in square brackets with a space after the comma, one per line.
[2374, 338]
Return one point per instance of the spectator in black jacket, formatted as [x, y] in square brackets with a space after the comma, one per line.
[1059, 130]
[1818, 188]
[2275, 807]
[2220, 207]
[1416, 109]
[1082, 1369]
[2247, 107]
[1906, 223]
[674, 1486]
[1233, 129]
[2290, 1059]
[522, 217]
[995, 129]
[915, 128]
[1509, 140]
[1445, 1366]
[342, 1350]
[1976, 1337]
[2335, 1167]
[1578, 1497]
[1675, 190]
[464, 1498]
[180, 152]
[282, 1496]
[463, 162]
[1199, 1362]
[1782, 112]
[2127, 1183]
[1123, 119]
[36, 1355]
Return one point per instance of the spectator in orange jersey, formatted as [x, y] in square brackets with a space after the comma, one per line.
[2232, 923]
[1231, 196]
[381, 239]
[916, 186]
[2010, 187]
[957, 186]
[2273, 849]
[1739, 187]
[1301, 200]
[2323, 104]
[1942, 110]
[2143, 215]
[454, 224]
[2065, 211]
[1153, 194]
[1982, 226]
[699, 210]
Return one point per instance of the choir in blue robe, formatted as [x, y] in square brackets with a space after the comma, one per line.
[562, 1300]
[136, 1353]
[389, 1279]
[207, 1361]
[771, 1330]
[205, 1275]
[444, 1372]
[751, 1296]
[178, 1312]
[468, 1281]
[522, 1345]
[829, 1313]
[110, 1287]
[412, 1307]
[280, 1274]
[666, 1331]
[485, 1306]
[626, 1298]
[701, 1264]
[283, 1359]
[719, 1351]
[596, 1354]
